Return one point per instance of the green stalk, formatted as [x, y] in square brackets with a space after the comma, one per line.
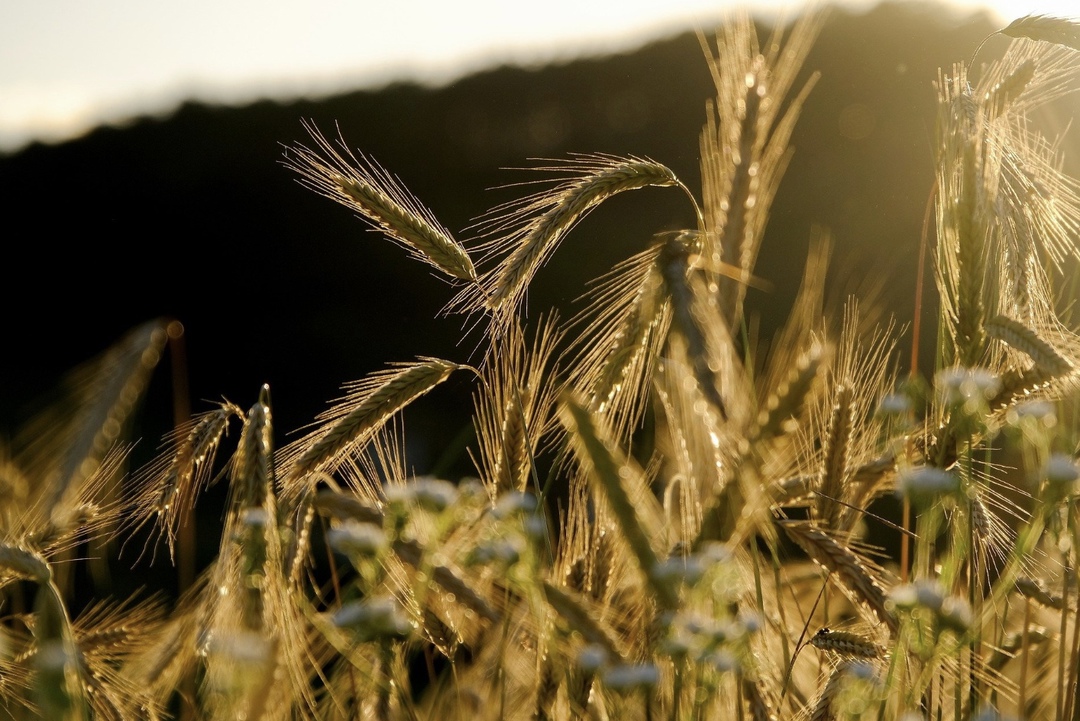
[1063, 634]
[1070, 702]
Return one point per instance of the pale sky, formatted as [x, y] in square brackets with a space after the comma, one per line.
[68, 65]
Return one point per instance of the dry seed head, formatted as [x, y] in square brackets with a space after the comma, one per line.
[844, 643]
[1059, 31]
[252, 464]
[963, 219]
[106, 399]
[783, 406]
[346, 507]
[531, 229]
[167, 488]
[1019, 336]
[831, 490]
[980, 518]
[579, 614]
[759, 705]
[614, 356]
[547, 688]
[194, 456]
[998, 98]
[835, 694]
[431, 243]
[366, 410]
[685, 296]
[852, 571]
[822, 709]
[24, 563]
[568, 205]
[513, 405]
[1017, 386]
[738, 239]
[612, 473]
[442, 636]
[362, 185]
[794, 490]
[867, 482]
[744, 143]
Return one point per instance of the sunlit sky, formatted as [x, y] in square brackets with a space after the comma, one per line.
[68, 65]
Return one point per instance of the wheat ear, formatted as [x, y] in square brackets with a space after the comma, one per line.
[23, 564]
[963, 220]
[1044, 28]
[1017, 385]
[167, 487]
[107, 635]
[365, 409]
[253, 464]
[534, 226]
[674, 262]
[822, 709]
[783, 406]
[744, 144]
[997, 99]
[255, 608]
[845, 643]
[575, 611]
[792, 491]
[755, 697]
[1019, 336]
[170, 653]
[735, 240]
[362, 185]
[613, 357]
[980, 518]
[513, 407]
[253, 515]
[828, 507]
[569, 206]
[369, 405]
[854, 576]
[608, 468]
[547, 689]
[866, 483]
[105, 394]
